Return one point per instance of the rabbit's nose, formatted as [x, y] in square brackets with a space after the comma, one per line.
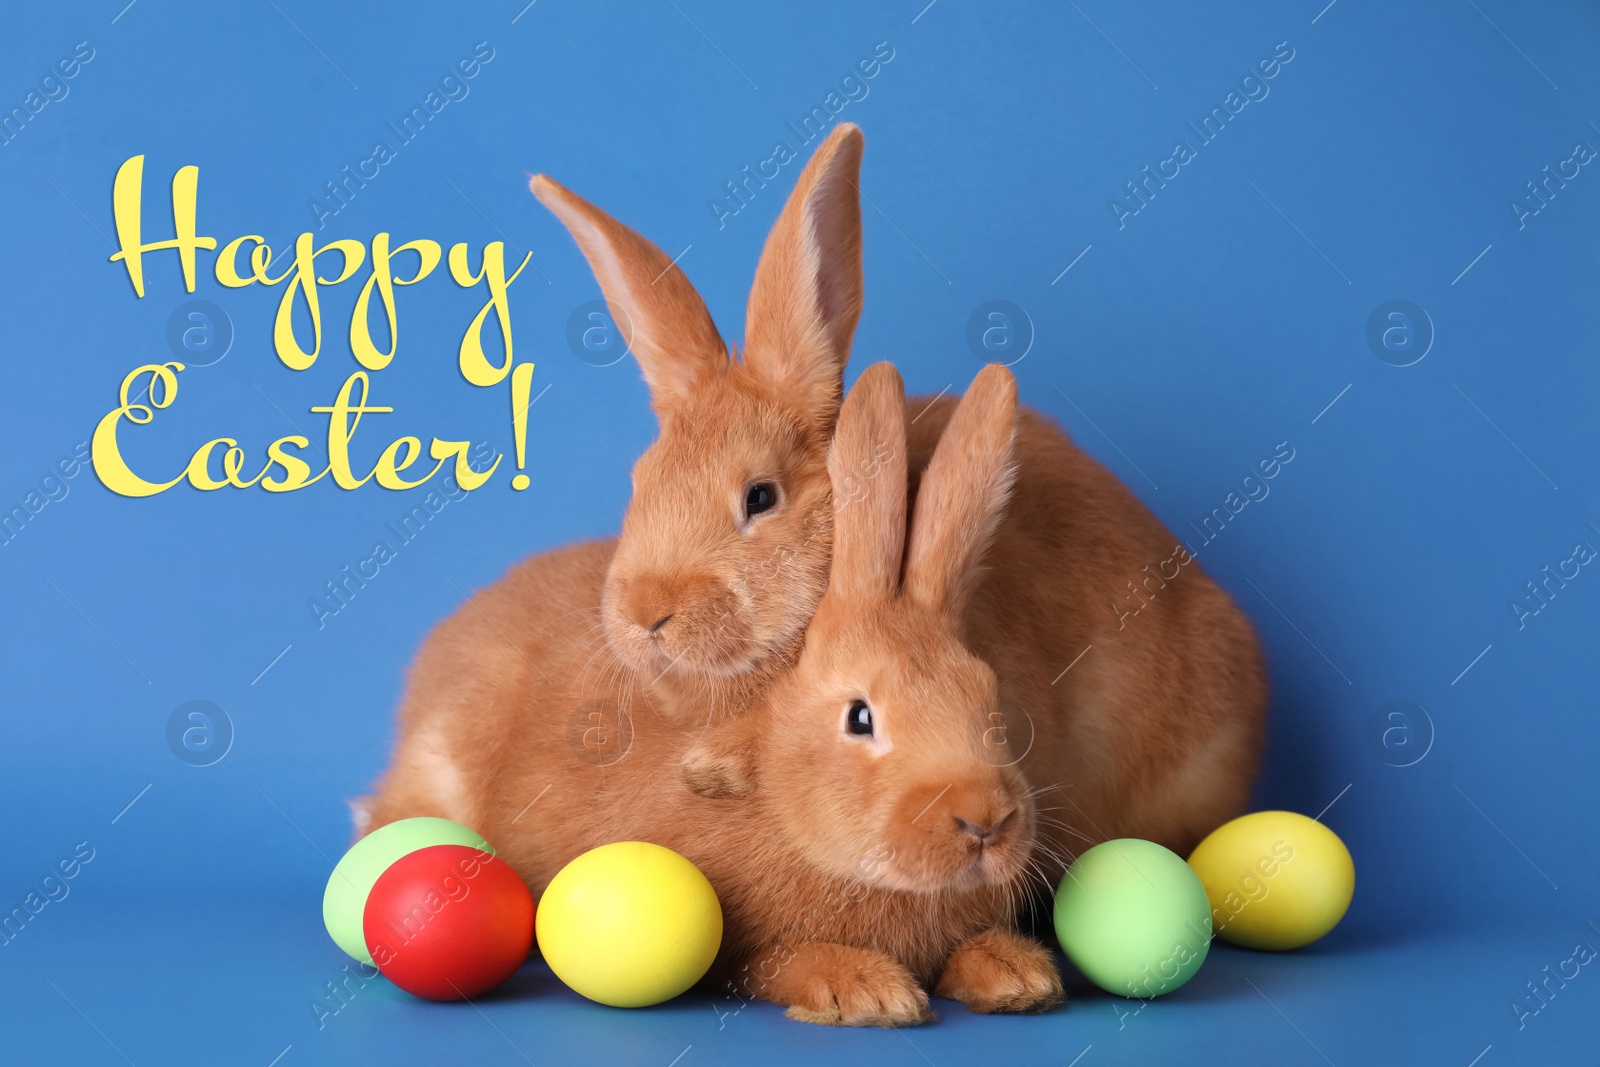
[984, 833]
[656, 626]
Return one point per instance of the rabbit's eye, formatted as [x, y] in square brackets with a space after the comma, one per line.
[762, 496]
[859, 719]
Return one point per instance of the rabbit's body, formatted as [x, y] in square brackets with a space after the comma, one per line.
[1130, 688]
[771, 896]
[847, 920]
[1151, 734]
[1155, 731]
[475, 697]
[488, 740]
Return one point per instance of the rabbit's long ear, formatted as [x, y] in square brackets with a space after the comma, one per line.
[963, 495]
[657, 311]
[807, 292]
[867, 465]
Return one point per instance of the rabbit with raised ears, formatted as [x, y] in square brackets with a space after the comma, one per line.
[724, 549]
[884, 845]
[1147, 723]
[874, 756]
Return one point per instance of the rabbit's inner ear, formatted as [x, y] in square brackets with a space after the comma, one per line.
[807, 294]
[963, 494]
[867, 466]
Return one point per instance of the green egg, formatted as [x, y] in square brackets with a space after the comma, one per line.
[1134, 918]
[345, 899]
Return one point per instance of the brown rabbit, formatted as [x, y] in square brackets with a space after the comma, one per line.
[724, 551]
[1155, 732]
[885, 845]
[1149, 725]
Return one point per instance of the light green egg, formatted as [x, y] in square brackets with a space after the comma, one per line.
[1134, 918]
[345, 899]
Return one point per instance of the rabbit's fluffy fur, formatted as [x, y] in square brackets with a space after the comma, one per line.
[843, 901]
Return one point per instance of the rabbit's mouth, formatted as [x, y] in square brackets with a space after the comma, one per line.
[986, 868]
[679, 644]
[998, 864]
[695, 627]
[961, 856]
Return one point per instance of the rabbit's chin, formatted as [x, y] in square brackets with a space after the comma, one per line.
[687, 651]
[701, 644]
[993, 868]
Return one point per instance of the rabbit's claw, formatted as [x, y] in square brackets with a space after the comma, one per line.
[998, 971]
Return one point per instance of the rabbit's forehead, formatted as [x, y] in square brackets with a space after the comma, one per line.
[731, 437]
[909, 664]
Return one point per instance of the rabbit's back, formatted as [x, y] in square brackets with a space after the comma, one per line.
[491, 685]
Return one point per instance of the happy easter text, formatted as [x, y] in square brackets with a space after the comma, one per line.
[305, 273]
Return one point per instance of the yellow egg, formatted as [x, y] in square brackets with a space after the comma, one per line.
[1276, 880]
[629, 924]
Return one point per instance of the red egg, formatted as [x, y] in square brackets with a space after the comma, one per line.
[448, 922]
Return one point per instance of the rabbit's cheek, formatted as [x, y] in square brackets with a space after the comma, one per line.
[654, 620]
[721, 628]
[782, 588]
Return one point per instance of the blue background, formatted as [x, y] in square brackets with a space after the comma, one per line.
[1223, 318]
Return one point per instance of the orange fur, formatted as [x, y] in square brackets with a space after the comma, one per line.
[999, 971]
[735, 595]
[861, 865]
[1155, 732]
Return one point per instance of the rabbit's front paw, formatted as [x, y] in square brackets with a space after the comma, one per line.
[720, 766]
[1000, 971]
[840, 985]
